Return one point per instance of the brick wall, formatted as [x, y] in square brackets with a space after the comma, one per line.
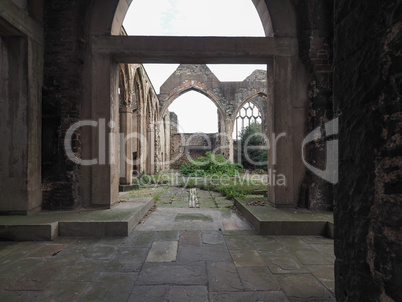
[62, 97]
[186, 146]
[368, 213]
[315, 46]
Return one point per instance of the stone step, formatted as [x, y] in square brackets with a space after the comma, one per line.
[118, 221]
[268, 220]
[29, 232]
[128, 188]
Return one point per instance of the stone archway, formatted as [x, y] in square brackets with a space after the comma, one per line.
[225, 95]
[287, 86]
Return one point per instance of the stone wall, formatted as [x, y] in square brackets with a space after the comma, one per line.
[368, 212]
[315, 50]
[189, 146]
[228, 96]
[21, 80]
[62, 96]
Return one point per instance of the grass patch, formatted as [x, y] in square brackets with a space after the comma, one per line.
[189, 184]
[231, 188]
[157, 179]
[148, 192]
[210, 164]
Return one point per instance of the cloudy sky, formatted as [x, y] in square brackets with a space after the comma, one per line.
[190, 18]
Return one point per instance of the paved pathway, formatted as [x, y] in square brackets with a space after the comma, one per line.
[205, 264]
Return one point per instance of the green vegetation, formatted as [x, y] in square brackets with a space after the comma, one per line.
[234, 187]
[210, 164]
[191, 183]
[157, 196]
[147, 192]
[159, 179]
[253, 157]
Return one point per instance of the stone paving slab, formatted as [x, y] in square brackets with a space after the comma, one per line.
[258, 279]
[277, 296]
[173, 274]
[169, 293]
[247, 258]
[190, 238]
[218, 260]
[324, 273]
[219, 270]
[304, 287]
[212, 238]
[110, 287]
[236, 243]
[190, 254]
[63, 291]
[35, 280]
[163, 251]
[47, 251]
[223, 277]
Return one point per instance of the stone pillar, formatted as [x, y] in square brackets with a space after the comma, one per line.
[100, 180]
[229, 139]
[286, 128]
[126, 152]
[141, 146]
[150, 149]
[21, 63]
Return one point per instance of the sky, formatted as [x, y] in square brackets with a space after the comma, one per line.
[190, 18]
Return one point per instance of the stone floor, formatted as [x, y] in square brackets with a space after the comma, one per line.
[176, 254]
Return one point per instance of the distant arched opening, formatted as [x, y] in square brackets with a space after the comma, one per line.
[195, 113]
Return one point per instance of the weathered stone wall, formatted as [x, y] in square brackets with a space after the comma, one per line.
[174, 122]
[368, 211]
[315, 50]
[62, 97]
[189, 146]
[228, 96]
[21, 80]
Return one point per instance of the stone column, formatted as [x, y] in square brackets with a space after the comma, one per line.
[102, 179]
[229, 139]
[21, 64]
[151, 149]
[126, 152]
[286, 127]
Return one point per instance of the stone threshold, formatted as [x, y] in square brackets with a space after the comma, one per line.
[127, 188]
[268, 220]
[43, 226]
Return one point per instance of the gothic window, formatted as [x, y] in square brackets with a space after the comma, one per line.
[248, 114]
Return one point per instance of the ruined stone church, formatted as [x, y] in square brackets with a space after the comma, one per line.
[68, 70]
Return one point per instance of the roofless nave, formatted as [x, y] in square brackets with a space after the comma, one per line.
[60, 63]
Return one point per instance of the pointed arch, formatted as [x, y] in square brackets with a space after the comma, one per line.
[253, 102]
[190, 86]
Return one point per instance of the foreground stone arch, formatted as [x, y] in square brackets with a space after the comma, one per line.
[286, 86]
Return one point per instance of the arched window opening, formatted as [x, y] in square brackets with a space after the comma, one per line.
[250, 147]
[196, 113]
[248, 114]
